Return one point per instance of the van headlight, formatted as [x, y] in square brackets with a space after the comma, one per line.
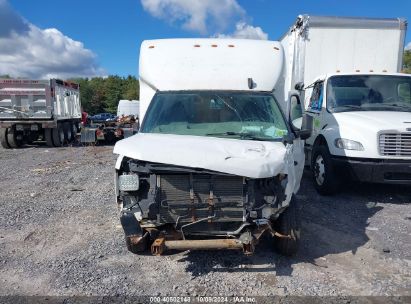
[128, 182]
[348, 144]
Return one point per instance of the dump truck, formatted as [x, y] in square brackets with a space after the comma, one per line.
[349, 72]
[33, 110]
[219, 155]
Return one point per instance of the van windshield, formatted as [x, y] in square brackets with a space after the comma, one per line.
[369, 93]
[241, 115]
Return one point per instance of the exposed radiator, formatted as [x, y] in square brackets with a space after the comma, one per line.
[395, 144]
[191, 197]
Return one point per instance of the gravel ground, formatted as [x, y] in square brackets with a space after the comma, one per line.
[60, 235]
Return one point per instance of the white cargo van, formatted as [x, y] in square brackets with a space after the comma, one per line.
[217, 160]
[360, 104]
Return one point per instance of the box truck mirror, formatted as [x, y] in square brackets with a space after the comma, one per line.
[299, 86]
[306, 127]
[251, 83]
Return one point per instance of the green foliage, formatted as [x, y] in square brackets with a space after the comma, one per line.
[103, 94]
[407, 62]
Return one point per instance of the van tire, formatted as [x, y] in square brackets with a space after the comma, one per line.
[323, 172]
[14, 139]
[288, 224]
[48, 136]
[58, 135]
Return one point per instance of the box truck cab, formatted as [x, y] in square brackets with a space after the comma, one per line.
[361, 106]
[217, 160]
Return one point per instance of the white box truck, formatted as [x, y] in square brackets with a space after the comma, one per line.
[128, 107]
[32, 110]
[217, 160]
[360, 103]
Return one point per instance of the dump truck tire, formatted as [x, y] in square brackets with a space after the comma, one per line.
[14, 139]
[3, 138]
[58, 135]
[288, 224]
[74, 131]
[48, 136]
[68, 132]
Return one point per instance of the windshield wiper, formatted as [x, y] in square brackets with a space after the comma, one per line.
[242, 135]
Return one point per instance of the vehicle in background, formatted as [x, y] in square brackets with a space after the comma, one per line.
[108, 128]
[33, 110]
[103, 117]
[360, 104]
[219, 156]
[128, 108]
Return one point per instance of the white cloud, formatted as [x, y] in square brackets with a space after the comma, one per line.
[246, 31]
[31, 52]
[202, 16]
[408, 46]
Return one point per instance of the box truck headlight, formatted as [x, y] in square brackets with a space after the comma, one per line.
[348, 144]
[128, 182]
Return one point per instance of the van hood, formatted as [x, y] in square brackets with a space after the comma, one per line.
[253, 159]
[375, 120]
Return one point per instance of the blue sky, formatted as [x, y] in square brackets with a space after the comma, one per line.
[103, 37]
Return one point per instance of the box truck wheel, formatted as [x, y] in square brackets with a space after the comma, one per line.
[48, 136]
[14, 138]
[68, 132]
[288, 224]
[3, 138]
[58, 135]
[323, 173]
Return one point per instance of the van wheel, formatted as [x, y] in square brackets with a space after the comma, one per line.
[323, 173]
[14, 138]
[3, 138]
[48, 136]
[58, 135]
[288, 224]
[68, 132]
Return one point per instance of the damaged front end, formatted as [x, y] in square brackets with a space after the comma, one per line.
[169, 207]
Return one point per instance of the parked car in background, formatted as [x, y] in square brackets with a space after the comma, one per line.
[103, 117]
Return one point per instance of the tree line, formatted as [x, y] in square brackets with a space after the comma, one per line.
[100, 94]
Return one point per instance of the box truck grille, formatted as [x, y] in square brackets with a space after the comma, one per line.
[395, 144]
[192, 197]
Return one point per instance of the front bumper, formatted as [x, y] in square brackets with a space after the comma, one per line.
[374, 170]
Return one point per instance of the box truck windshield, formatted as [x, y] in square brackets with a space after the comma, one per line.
[240, 115]
[369, 93]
